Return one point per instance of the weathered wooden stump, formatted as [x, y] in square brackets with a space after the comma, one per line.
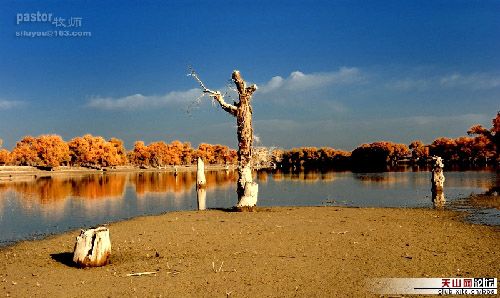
[200, 173]
[92, 248]
[437, 181]
[437, 174]
[201, 182]
[201, 194]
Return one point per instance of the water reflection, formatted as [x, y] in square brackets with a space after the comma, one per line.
[438, 199]
[45, 205]
[46, 190]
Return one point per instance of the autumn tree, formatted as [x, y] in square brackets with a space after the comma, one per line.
[492, 134]
[419, 152]
[4, 156]
[379, 154]
[42, 151]
[312, 157]
[242, 111]
[187, 153]
[140, 155]
[121, 152]
[446, 148]
[96, 152]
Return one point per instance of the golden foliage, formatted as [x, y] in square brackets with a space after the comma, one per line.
[45, 151]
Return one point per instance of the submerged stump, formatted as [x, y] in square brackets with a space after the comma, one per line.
[437, 174]
[92, 248]
[437, 181]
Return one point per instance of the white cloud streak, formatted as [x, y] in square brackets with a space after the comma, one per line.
[475, 81]
[139, 101]
[9, 104]
[286, 90]
[299, 81]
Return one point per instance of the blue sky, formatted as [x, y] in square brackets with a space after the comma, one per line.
[330, 73]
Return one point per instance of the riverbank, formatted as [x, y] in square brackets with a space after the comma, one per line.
[306, 251]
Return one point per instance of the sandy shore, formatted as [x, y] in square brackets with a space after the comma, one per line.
[310, 251]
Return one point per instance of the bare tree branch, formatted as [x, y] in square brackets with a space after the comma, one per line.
[238, 81]
[231, 109]
[250, 90]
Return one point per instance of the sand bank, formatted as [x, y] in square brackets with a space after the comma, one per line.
[310, 251]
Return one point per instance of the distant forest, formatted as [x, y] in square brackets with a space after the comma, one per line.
[481, 147]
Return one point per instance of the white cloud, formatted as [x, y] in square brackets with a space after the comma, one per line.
[297, 81]
[472, 81]
[409, 84]
[475, 81]
[9, 104]
[300, 81]
[139, 101]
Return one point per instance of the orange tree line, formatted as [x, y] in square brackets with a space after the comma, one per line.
[96, 152]
[481, 147]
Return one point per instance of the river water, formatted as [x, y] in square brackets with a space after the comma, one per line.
[37, 207]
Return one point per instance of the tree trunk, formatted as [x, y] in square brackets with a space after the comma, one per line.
[200, 173]
[245, 140]
[437, 179]
[246, 198]
[201, 192]
[243, 113]
[92, 248]
[249, 199]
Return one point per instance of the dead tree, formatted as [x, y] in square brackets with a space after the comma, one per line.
[247, 190]
[437, 178]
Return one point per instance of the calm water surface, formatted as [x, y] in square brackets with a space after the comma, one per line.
[34, 208]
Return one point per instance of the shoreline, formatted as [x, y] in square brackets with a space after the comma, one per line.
[285, 251]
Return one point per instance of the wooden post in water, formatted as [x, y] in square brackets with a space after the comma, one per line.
[92, 248]
[437, 181]
[200, 185]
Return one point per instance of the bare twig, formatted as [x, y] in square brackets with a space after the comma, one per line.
[216, 95]
[217, 270]
[142, 273]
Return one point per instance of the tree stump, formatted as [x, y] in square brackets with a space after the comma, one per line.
[201, 182]
[437, 174]
[249, 199]
[92, 248]
[437, 181]
[201, 194]
[200, 173]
